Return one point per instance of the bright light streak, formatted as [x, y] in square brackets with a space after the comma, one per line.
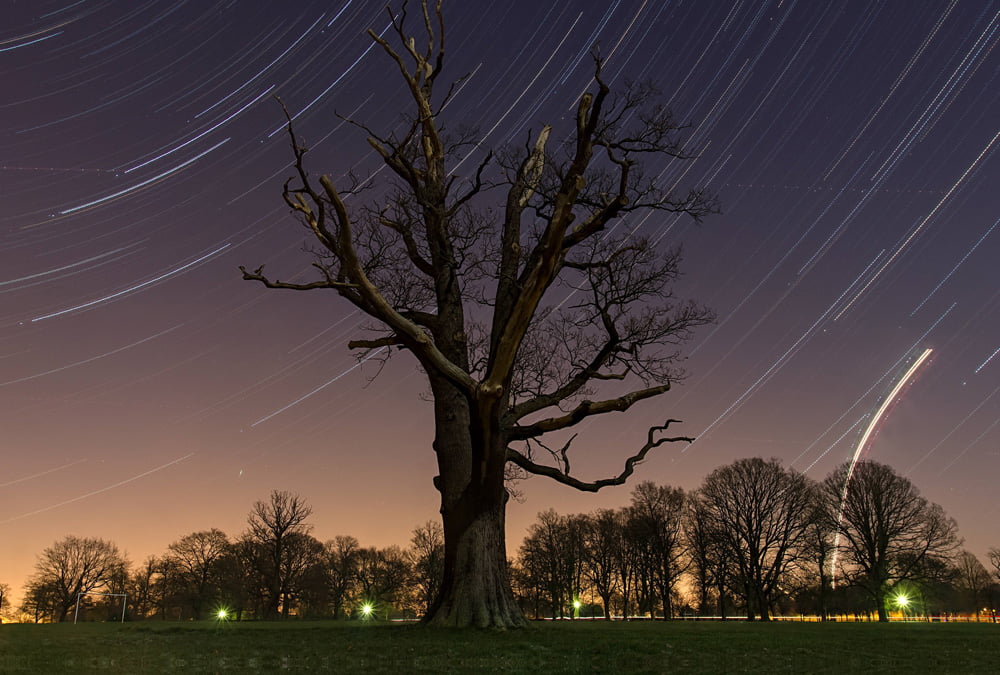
[862, 444]
[988, 359]
[881, 411]
[25, 44]
[920, 226]
[133, 288]
[955, 268]
[262, 70]
[317, 389]
[97, 492]
[870, 389]
[145, 182]
[92, 358]
[781, 361]
[202, 134]
[41, 473]
[332, 85]
[70, 266]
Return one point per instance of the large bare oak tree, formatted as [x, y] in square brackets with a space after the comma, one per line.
[511, 288]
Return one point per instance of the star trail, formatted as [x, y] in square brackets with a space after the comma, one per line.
[147, 391]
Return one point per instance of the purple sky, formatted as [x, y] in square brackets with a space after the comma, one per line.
[147, 392]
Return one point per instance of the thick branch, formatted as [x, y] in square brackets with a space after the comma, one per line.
[386, 341]
[584, 410]
[258, 275]
[555, 474]
[375, 304]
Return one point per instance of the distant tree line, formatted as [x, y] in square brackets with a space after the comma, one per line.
[755, 540]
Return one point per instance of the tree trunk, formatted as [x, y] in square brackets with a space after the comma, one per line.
[606, 600]
[883, 616]
[475, 588]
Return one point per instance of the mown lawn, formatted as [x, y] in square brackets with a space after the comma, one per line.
[565, 647]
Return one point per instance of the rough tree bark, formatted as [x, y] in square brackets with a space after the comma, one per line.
[463, 288]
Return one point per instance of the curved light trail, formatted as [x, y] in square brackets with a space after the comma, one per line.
[863, 443]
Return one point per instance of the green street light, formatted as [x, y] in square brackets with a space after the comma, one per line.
[366, 610]
[222, 615]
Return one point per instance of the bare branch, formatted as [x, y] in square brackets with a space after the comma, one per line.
[585, 410]
[563, 477]
[387, 341]
[258, 275]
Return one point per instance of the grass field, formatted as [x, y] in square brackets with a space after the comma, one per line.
[566, 647]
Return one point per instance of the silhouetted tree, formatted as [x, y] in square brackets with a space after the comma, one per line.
[146, 588]
[197, 559]
[301, 565]
[818, 548]
[383, 577]
[41, 600]
[5, 601]
[342, 572]
[473, 292]
[760, 510]
[657, 524]
[887, 531]
[552, 550]
[602, 543]
[426, 554]
[627, 562]
[72, 566]
[272, 525]
[705, 548]
[973, 580]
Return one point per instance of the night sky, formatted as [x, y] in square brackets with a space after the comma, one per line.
[146, 391]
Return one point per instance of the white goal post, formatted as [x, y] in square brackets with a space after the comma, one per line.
[123, 596]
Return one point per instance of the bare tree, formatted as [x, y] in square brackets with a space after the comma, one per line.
[709, 561]
[272, 524]
[627, 562]
[994, 556]
[657, 516]
[552, 551]
[760, 510]
[197, 559]
[602, 542]
[342, 572]
[517, 313]
[40, 600]
[4, 601]
[887, 531]
[146, 588]
[72, 566]
[427, 561]
[973, 580]
[383, 577]
[821, 526]
[301, 563]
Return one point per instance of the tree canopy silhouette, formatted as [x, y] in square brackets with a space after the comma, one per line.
[511, 288]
